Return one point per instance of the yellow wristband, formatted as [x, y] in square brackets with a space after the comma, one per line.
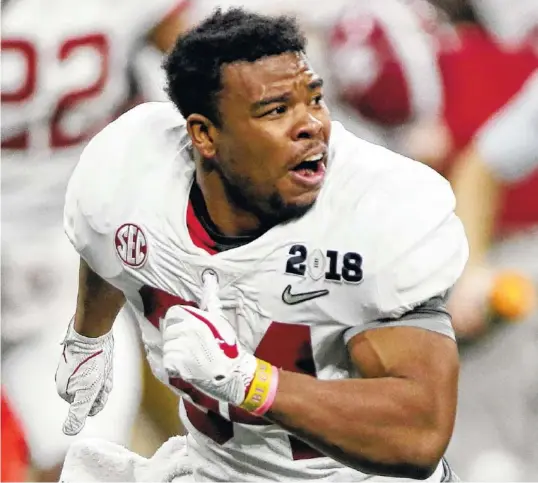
[262, 390]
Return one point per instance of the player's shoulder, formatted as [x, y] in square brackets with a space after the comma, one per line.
[365, 173]
[127, 138]
[383, 196]
[143, 16]
[398, 214]
[117, 163]
[143, 119]
[132, 142]
[412, 185]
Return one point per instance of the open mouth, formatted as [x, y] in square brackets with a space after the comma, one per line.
[310, 166]
[310, 172]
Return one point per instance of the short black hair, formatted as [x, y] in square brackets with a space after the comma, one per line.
[193, 67]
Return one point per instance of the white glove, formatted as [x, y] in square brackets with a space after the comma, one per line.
[84, 376]
[202, 349]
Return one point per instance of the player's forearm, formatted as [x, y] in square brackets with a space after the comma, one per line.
[477, 195]
[98, 303]
[381, 426]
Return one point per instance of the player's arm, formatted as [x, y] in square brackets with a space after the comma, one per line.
[478, 196]
[98, 303]
[507, 144]
[396, 421]
[84, 373]
[164, 34]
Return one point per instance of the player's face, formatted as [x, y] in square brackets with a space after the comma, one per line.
[273, 144]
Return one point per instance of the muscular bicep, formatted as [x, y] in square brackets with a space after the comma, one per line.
[386, 347]
[427, 359]
[409, 352]
[98, 303]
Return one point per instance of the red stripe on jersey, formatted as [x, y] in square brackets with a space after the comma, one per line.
[199, 235]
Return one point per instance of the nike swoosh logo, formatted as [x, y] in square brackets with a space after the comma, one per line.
[297, 298]
[229, 349]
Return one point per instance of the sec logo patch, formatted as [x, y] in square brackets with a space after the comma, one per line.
[131, 245]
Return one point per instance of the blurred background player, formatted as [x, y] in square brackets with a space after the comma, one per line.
[496, 185]
[68, 68]
[435, 90]
[501, 371]
[495, 59]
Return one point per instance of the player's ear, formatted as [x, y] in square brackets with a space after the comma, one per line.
[203, 134]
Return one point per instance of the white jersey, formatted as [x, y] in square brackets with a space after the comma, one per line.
[381, 238]
[65, 75]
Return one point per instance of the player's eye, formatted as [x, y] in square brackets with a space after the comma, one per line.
[317, 100]
[277, 111]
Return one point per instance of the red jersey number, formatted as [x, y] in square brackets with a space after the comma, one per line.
[286, 346]
[96, 42]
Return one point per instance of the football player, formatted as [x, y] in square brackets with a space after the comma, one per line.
[289, 278]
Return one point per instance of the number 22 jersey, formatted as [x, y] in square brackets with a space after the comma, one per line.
[66, 72]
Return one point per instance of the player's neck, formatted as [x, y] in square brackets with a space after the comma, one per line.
[228, 218]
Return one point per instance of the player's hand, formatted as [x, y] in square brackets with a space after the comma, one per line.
[202, 349]
[84, 376]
